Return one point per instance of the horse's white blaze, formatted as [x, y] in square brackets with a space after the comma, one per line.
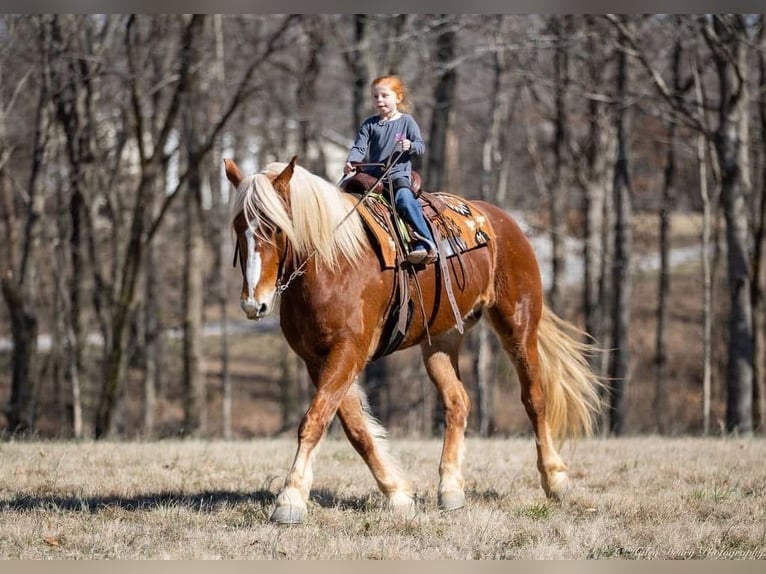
[253, 270]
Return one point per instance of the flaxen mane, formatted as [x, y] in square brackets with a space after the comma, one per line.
[318, 220]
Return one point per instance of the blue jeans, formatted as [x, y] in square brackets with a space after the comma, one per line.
[409, 208]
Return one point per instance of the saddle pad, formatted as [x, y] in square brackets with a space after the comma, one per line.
[461, 225]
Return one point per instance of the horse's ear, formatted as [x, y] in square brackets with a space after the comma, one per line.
[232, 172]
[283, 179]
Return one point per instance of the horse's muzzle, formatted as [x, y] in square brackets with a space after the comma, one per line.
[255, 310]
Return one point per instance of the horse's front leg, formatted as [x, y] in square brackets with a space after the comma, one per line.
[332, 380]
[367, 436]
[441, 361]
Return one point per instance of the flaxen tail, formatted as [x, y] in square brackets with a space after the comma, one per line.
[571, 386]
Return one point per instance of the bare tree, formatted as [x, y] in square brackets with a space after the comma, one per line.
[18, 282]
[663, 291]
[561, 28]
[759, 256]
[493, 157]
[590, 155]
[619, 369]
[193, 378]
[310, 123]
[726, 38]
[444, 101]
[152, 158]
[707, 281]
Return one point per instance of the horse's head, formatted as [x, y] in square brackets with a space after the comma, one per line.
[260, 242]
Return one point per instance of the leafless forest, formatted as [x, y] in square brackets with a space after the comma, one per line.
[629, 137]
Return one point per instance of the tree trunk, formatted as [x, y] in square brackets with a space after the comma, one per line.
[193, 378]
[663, 291]
[485, 379]
[20, 410]
[593, 178]
[72, 79]
[759, 257]
[707, 279]
[221, 238]
[18, 281]
[707, 288]
[557, 186]
[115, 360]
[397, 45]
[493, 148]
[358, 60]
[620, 343]
[727, 41]
[377, 377]
[493, 154]
[152, 339]
[444, 99]
[309, 122]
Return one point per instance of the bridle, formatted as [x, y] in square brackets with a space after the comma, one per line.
[282, 284]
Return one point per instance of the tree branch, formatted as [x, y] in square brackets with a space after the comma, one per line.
[670, 98]
[240, 95]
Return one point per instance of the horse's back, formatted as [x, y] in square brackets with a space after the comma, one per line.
[516, 267]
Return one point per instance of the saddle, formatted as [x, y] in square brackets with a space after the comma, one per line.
[361, 183]
[457, 226]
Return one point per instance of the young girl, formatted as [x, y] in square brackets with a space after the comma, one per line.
[382, 137]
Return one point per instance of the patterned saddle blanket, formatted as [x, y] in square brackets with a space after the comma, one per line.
[458, 222]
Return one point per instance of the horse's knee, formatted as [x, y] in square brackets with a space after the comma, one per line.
[312, 427]
[457, 407]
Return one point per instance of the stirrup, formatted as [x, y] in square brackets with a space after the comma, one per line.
[421, 254]
[417, 256]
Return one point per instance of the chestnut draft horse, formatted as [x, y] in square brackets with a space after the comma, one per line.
[300, 236]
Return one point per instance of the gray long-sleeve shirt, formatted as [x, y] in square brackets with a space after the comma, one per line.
[377, 140]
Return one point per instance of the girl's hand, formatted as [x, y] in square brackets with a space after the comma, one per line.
[348, 168]
[406, 145]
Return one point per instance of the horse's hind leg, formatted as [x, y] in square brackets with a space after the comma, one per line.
[367, 436]
[441, 361]
[518, 335]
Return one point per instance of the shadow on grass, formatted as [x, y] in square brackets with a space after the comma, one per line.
[328, 499]
[207, 501]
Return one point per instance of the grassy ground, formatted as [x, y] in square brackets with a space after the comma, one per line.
[632, 498]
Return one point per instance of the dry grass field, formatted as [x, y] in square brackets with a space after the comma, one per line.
[635, 498]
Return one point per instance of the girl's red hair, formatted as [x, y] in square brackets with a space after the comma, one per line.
[397, 86]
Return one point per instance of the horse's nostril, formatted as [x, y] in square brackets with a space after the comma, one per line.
[262, 309]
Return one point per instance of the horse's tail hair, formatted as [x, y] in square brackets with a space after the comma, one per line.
[571, 387]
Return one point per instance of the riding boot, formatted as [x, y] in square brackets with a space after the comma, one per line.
[423, 248]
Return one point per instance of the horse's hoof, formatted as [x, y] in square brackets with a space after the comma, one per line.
[403, 505]
[288, 514]
[557, 486]
[451, 500]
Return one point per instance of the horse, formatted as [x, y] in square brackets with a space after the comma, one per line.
[300, 237]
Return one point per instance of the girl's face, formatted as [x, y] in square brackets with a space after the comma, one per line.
[385, 99]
